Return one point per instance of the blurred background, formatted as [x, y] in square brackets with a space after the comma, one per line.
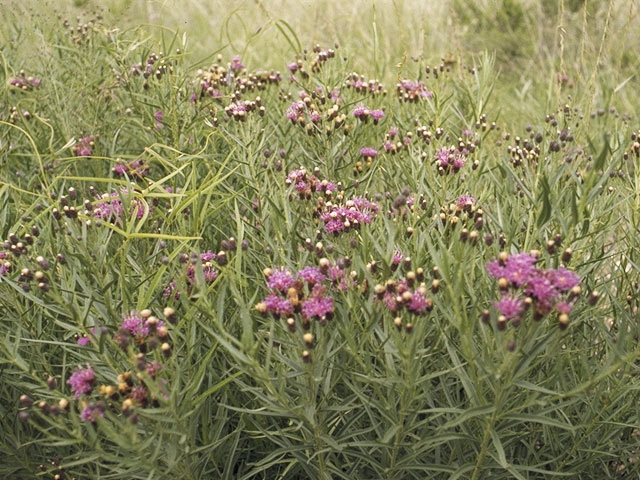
[538, 44]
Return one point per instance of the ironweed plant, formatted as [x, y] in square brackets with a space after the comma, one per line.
[301, 267]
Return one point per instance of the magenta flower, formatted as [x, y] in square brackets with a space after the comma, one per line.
[563, 279]
[84, 146]
[418, 303]
[510, 307]
[294, 111]
[82, 381]
[360, 111]
[278, 305]
[89, 414]
[120, 169]
[518, 269]
[317, 307]
[280, 279]
[410, 90]
[354, 212]
[377, 115]
[564, 307]
[311, 275]
[236, 64]
[158, 117]
[368, 152]
[542, 289]
[136, 325]
[465, 202]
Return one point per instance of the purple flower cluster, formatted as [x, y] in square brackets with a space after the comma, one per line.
[136, 326]
[111, 207]
[306, 184]
[399, 295]
[520, 279]
[208, 270]
[362, 112]
[342, 218]
[91, 414]
[304, 293]
[450, 159]
[368, 152]
[280, 280]
[82, 381]
[465, 202]
[84, 147]
[236, 63]
[158, 118]
[410, 91]
[24, 83]
[318, 304]
[138, 168]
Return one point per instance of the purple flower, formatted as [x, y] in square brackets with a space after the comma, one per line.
[510, 307]
[280, 279]
[419, 303]
[84, 341]
[317, 307]
[368, 152]
[136, 325]
[292, 67]
[563, 279]
[360, 111]
[519, 268]
[465, 202]
[540, 287]
[376, 115]
[236, 64]
[207, 256]
[315, 116]
[564, 307]
[294, 110]
[153, 368]
[120, 169]
[412, 90]
[311, 275]
[158, 117]
[278, 305]
[84, 146]
[81, 381]
[89, 414]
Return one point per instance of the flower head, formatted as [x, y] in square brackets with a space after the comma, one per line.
[82, 381]
[510, 307]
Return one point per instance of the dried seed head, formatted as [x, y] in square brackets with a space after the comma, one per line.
[563, 320]
[308, 339]
[306, 356]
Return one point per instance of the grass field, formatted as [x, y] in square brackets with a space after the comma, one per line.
[319, 240]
